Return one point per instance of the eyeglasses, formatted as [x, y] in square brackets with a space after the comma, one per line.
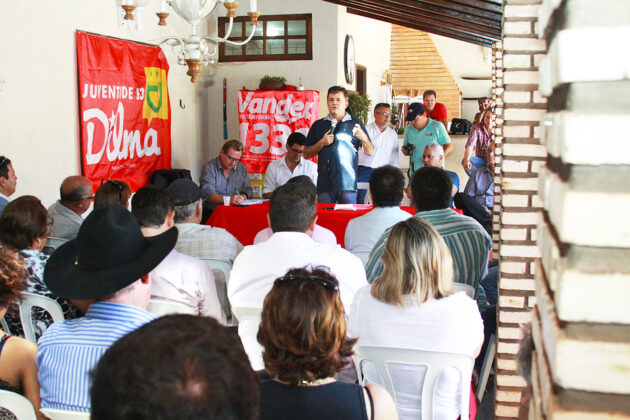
[384, 114]
[320, 280]
[88, 198]
[231, 159]
[51, 221]
[299, 152]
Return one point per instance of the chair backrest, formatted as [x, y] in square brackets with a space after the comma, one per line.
[223, 266]
[461, 287]
[55, 414]
[163, 307]
[435, 362]
[5, 326]
[21, 408]
[248, 323]
[30, 301]
[365, 186]
[364, 255]
[54, 243]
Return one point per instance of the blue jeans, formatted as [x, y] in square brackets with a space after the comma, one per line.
[341, 197]
[477, 162]
[363, 175]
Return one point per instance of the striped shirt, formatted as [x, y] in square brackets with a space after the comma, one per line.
[69, 351]
[468, 242]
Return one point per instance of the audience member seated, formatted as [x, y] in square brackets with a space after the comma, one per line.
[434, 156]
[178, 278]
[18, 369]
[387, 184]
[478, 143]
[320, 233]
[8, 181]
[24, 225]
[477, 200]
[292, 216]
[290, 165]
[224, 179]
[190, 368]
[112, 192]
[108, 262]
[303, 333]
[75, 199]
[469, 243]
[412, 305]
[435, 110]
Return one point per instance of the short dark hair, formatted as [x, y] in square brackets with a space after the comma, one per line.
[431, 188]
[150, 205]
[382, 105]
[232, 144]
[387, 185]
[77, 194]
[303, 328]
[110, 192]
[305, 182]
[428, 93]
[4, 167]
[296, 137]
[22, 221]
[336, 89]
[292, 208]
[176, 367]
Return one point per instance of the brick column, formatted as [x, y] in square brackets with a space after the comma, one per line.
[581, 325]
[519, 110]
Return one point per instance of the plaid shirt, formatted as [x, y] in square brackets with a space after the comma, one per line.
[207, 242]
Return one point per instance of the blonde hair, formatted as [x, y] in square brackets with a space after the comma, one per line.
[417, 261]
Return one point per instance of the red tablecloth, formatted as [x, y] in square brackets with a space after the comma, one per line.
[245, 222]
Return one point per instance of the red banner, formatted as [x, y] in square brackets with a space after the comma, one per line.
[267, 118]
[125, 112]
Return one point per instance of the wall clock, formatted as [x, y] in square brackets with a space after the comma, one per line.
[348, 60]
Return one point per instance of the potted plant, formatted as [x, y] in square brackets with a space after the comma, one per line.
[359, 106]
[272, 83]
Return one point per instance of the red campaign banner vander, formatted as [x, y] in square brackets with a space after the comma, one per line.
[125, 114]
[267, 118]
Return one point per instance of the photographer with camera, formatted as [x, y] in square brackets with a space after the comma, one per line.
[420, 133]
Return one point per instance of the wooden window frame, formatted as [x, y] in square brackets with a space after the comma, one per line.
[262, 20]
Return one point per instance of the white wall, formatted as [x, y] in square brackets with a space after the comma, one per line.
[466, 59]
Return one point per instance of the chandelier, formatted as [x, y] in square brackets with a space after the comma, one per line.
[194, 51]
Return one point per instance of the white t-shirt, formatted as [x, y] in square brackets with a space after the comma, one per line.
[385, 147]
[278, 173]
[451, 324]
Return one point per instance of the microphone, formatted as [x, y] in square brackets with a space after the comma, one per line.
[333, 125]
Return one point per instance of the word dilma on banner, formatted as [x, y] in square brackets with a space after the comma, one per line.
[281, 109]
[112, 92]
[118, 143]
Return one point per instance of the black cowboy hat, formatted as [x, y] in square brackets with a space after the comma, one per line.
[108, 254]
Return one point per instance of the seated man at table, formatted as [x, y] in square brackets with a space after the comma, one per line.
[292, 164]
[387, 184]
[320, 234]
[469, 243]
[292, 215]
[224, 179]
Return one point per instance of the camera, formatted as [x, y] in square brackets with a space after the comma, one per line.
[408, 149]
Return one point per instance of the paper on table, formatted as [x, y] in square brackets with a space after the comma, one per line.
[344, 207]
[253, 201]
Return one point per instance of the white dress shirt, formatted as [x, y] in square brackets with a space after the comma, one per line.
[385, 147]
[183, 279]
[320, 234]
[278, 173]
[363, 231]
[257, 267]
[451, 324]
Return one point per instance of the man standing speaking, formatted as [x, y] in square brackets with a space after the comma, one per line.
[336, 140]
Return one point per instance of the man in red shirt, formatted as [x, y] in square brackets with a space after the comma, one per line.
[435, 110]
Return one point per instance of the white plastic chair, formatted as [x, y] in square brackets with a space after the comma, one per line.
[30, 301]
[364, 255]
[461, 287]
[435, 363]
[55, 243]
[365, 186]
[163, 307]
[5, 326]
[21, 408]
[486, 367]
[224, 267]
[248, 324]
[55, 414]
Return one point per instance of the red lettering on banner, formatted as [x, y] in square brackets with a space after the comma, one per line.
[267, 118]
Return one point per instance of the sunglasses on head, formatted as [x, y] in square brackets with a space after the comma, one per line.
[320, 280]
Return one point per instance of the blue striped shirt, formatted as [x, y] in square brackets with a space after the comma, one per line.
[69, 350]
[468, 242]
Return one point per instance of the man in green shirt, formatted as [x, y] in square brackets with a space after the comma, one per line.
[420, 133]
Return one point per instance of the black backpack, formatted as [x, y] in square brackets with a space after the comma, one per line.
[460, 126]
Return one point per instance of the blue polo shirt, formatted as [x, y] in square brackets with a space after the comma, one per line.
[337, 163]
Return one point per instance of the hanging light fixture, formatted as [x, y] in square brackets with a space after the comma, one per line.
[194, 51]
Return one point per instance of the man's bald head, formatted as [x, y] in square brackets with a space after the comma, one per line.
[75, 193]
